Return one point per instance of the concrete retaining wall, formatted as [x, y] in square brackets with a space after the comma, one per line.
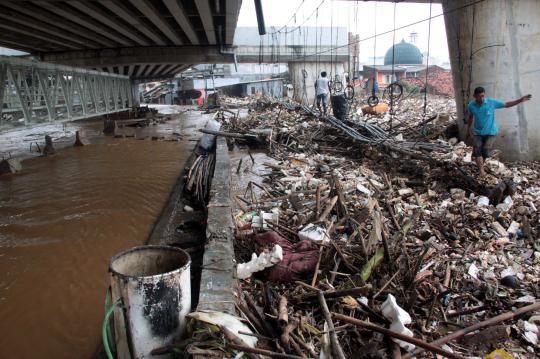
[218, 273]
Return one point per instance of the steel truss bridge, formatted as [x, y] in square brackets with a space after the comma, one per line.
[38, 93]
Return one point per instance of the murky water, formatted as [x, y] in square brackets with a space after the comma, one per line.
[61, 219]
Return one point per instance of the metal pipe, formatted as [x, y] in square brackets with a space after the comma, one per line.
[260, 17]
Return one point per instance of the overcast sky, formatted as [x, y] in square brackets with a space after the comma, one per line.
[359, 17]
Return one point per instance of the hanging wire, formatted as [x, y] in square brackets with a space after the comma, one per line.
[427, 68]
[348, 39]
[357, 62]
[331, 39]
[375, 40]
[336, 51]
[393, 70]
[293, 17]
[304, 73]
[390, 31]
[317, 58]
[296, 28]
[373, 100]
[473, 28]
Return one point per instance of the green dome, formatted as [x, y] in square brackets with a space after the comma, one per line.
[406, 54]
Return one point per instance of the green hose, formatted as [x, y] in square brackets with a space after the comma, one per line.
[106, 334]
[108, 297]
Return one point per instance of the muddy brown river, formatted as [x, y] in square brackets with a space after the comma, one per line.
[62, 218]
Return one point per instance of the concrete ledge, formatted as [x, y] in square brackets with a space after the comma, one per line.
[218, 273]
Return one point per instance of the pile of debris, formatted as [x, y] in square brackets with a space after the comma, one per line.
[439, 81]
[357, 244]
[407, 118]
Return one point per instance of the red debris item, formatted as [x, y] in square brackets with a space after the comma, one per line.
[299, 259]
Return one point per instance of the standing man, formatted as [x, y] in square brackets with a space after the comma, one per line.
[482, 115]
[321, 89]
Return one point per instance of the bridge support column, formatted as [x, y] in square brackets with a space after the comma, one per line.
[313, 70]
[135, 96]
[496, 45]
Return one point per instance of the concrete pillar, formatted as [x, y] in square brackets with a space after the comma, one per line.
[135, 94]
[313, 70]
[496, 44]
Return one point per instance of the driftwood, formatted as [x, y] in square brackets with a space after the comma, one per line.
[391, 333]
[234, 340]
[283, 314]
[337, 351]
[334, 294]
[486, 323]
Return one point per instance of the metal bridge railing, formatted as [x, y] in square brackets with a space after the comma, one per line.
[33, 92]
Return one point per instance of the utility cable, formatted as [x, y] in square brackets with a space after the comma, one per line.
[293, 17]
[308, 18]
[427, 66]
[471, 55]
[373, 100]
[393, 70]
[397, 28]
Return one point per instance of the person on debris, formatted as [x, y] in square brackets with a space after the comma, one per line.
[481, 123]
[322, 88]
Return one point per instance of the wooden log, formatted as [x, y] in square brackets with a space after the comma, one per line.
[333, 294]
[341, 199]
[305, 345]
[283, 314]
[328, 209]
[318, 202]
[337, 351]
[286, 330]
[396, 335]
[316, 271]
[483, 324]
[233, 339]
[239, 165]
[221, 133]
[260, 315]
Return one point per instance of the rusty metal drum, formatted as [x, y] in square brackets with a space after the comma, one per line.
[153, 283]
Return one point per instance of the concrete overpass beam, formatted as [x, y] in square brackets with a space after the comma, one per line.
[131, 68]
[150, 11]
[177, 11]
[95, 12]
[8, 14]
[68, 13]
[496, 44]
[140, 55]
[232, 9]
[205, 12]
[38, 15]
[140, 70]
[21, 29]
[119, 9]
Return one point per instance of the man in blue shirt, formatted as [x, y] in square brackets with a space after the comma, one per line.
[482, 123]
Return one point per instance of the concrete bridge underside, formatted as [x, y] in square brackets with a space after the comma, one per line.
[89, 33]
